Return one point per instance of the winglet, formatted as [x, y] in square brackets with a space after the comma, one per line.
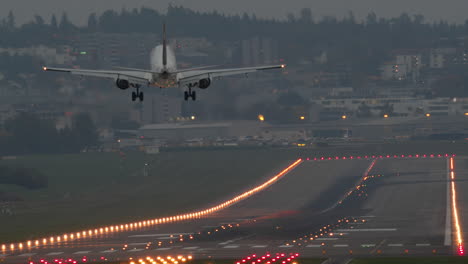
[164, 46]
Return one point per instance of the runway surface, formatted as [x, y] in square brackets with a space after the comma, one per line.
[359, 207]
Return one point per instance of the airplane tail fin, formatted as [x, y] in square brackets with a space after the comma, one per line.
[164, 55]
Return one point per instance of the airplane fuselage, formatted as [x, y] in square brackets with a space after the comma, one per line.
[163, 76]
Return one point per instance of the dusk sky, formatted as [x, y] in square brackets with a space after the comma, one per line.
[78, 10]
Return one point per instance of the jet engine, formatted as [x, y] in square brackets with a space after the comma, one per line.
[122, 84]
[204, 83]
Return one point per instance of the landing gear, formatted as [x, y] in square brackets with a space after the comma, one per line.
[138, 94]
[190, 93]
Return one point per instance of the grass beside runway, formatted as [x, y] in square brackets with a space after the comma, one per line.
[412, 260]
[94, 189]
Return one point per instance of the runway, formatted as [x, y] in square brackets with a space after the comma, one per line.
[321, 208]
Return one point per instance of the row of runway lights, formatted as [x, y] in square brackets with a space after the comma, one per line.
[380, 157]
[325, 231]
[148, 260]
[182, 238]
[162, 260]
[142, 224]
[278, 258]
[459, 238]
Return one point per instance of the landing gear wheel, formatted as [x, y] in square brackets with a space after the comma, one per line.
[186, 95]
[141, 96]
[134, 96]
[194, 96]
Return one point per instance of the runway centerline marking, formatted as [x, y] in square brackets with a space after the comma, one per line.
[367, 230]
[27, 254]
[138, 244]
[161, 249]
[175, 235]
[231, 246]
[341, 245]
[55, 253]
[82, 252]
[326, 239]
[423, 245]
[109, 251]
[395, 245]
[259, 246]
[190, 248]
[313, 246]
[368, 245]
[135, 250]
[286, 246]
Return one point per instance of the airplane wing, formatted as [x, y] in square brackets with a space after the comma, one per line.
[133, 76]
[194, 76]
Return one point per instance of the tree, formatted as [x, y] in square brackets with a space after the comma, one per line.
[65, 25]
[364, 111]
[30, 134]
[38, 20]
[306, 15]
[92, 22]
[53, 22]
[85, 131]
[11, 21]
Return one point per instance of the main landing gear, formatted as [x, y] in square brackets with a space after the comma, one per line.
[138, 94]
[190, 94]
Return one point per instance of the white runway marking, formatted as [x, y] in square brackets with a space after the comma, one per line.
[81, 252]
[326, 239]
[231, 246]
[135, 250]
[395, 245]
[423, 245]
[367, 230]
[161, 235]
[138, 244]
[27, 254]
[163, 248]
[368, 245]
[313, 246]
[448, 211]
[54, 253]
[190, 248]
[286, 246]
[109, 251]
[341, 245]
[259, 246]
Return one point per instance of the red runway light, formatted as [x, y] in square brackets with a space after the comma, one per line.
[461, 250]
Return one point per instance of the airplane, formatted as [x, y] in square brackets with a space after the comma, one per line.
[163, 73]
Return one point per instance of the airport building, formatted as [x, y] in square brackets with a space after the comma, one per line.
[196, 130]
[402, 106]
